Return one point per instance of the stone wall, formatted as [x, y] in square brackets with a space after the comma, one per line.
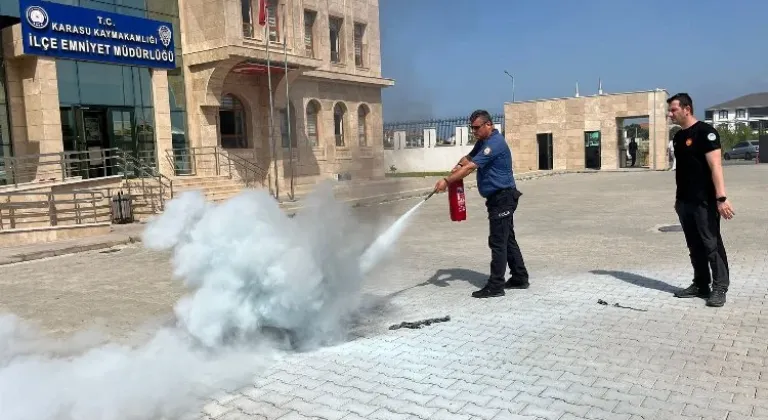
[568, 118]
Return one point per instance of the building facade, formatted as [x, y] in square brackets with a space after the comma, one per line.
[749, 109]
[242, 76]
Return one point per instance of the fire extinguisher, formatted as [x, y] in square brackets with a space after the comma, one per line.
[457, 201]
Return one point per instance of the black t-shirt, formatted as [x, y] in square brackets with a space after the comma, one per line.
[693, 176]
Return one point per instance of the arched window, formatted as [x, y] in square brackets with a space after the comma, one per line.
[232, 123]
[362, 124]
[339, 117]
[313, 110]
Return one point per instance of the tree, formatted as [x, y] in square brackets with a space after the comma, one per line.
[673, 131]
[730, 136]
[636, 131]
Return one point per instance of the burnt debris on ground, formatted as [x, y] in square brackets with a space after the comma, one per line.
[617, 305]
[419, 324]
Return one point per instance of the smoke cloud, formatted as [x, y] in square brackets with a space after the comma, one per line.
[260, 283]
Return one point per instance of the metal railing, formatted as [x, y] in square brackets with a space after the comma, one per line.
[58, 167]
[445, 131]
[136, 174]
[146, 185]
[48, 209]
[215, 161]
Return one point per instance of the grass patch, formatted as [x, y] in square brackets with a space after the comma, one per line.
[415, 174]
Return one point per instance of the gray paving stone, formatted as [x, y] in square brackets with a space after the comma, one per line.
[550, 351]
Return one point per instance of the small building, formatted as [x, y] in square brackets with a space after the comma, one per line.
[585, 132]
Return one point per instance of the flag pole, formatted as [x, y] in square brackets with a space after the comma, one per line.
[271, 105]
[287, 98]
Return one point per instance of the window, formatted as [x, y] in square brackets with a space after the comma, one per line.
[723, 115]
[335, 25]
[285, 128]
[313, 109]
[232, 123]
[309, 33]
[245, 12]
[359, 45]
[339, 114]
[362, 124]
[741, 113]
[272, 21]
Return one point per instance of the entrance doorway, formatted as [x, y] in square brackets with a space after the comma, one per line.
[89, 134]
[546, 158]
[592, 150]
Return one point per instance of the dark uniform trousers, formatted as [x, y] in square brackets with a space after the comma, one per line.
[700, 221]
[505, 251]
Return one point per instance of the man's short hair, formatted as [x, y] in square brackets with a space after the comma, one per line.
[480, 113]
[684, 99]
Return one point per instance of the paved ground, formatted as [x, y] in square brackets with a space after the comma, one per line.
[549, 352]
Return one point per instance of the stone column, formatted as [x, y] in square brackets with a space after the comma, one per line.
[33, 96]
[162, 110]
[658, 130]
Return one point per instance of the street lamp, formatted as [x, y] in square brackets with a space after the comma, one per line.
[513, 84]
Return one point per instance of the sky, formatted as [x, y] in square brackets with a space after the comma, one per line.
[448, 57]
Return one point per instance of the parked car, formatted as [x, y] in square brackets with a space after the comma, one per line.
[743, 150]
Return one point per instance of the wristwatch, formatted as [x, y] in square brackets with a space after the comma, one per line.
[721, 199]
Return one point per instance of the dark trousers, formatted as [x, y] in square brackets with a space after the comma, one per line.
[701, 226]
[501, 239]
[633, 156]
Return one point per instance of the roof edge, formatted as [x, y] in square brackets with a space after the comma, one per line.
[589, 96]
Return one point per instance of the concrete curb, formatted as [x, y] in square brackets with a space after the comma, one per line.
[291, 211]
[66, 250]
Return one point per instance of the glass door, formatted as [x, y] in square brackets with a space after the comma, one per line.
[96, 139]
[592, 150]
[546, 155]
[121, 132]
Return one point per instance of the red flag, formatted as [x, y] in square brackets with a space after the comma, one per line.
[262, 12]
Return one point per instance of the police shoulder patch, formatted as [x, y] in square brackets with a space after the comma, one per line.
[487, 151]
[712, 136]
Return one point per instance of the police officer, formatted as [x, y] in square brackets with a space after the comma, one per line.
[492, 158]
[700, 201]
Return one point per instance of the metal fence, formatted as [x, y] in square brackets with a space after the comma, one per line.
[48, 209]
[445, 131]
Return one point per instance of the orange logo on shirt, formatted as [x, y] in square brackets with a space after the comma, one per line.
[689, 142]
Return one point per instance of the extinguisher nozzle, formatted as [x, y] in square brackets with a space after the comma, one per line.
[430, 195]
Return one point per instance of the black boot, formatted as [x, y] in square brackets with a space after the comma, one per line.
[693, 290]
[716, 298]
[516, 284]
[486, 292]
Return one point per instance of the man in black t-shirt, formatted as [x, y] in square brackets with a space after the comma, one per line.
[700, 201]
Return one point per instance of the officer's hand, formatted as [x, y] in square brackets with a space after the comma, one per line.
[455, 168]
[726, 210]
[441, 185]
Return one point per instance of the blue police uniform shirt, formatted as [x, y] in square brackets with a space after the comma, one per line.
[494, 164]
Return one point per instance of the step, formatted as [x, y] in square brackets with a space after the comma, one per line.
[201, 181]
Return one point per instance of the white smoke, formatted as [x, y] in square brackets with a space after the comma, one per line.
[254, 275]
[254, 267]
[42, 379]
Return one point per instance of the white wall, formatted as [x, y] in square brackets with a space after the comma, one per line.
[430, 157]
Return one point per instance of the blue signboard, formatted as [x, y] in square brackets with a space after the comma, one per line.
[78, 33]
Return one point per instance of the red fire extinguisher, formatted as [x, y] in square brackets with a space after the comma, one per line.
[457, 201]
